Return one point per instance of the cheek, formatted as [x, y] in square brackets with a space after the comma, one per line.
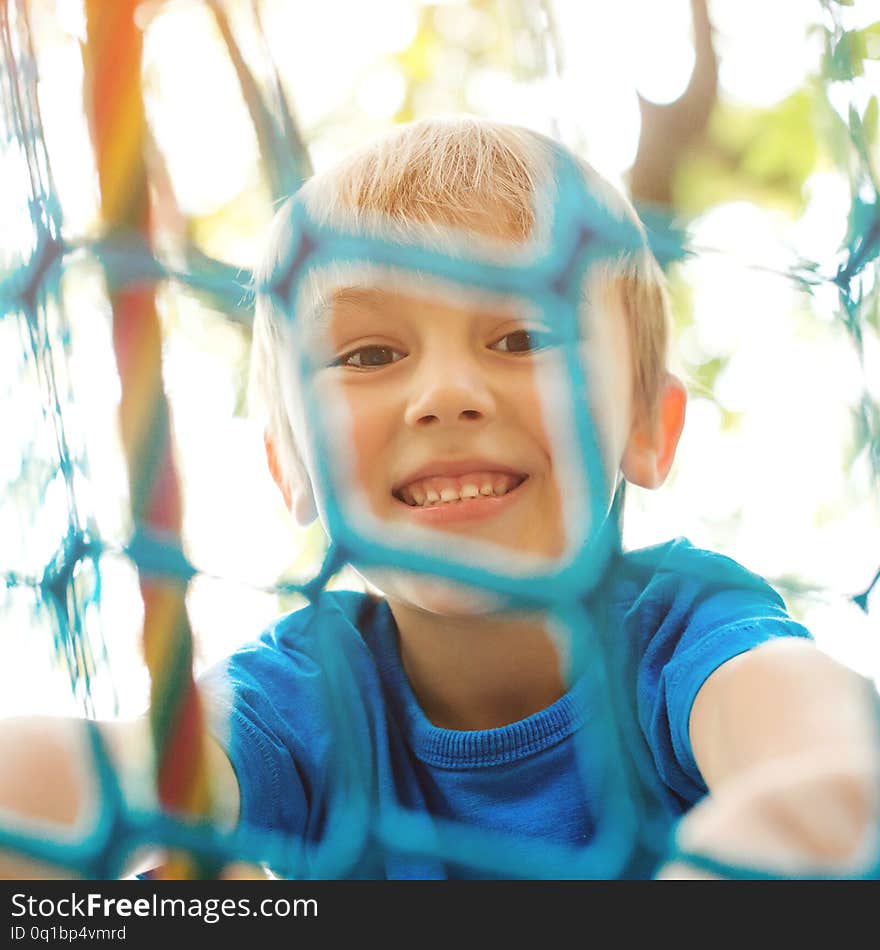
[612, 403]
[609, 375]
[349, 426]
[369, 427]
[529, 395]
[365, 446]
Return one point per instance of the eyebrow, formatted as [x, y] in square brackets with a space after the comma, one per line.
[382, 302]
[369, 298]
[359, 296]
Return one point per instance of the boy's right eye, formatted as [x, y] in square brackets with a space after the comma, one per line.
[370, 357]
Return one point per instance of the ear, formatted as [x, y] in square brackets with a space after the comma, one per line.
[296, 489]
[649, 452]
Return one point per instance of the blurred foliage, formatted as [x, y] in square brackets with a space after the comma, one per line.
[766, 156]
[759, 155]
[845, 54]
[453, 44]
[866, 437]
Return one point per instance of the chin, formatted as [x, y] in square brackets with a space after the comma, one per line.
[431, 594]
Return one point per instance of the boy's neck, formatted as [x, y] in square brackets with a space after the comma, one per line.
[478, 672]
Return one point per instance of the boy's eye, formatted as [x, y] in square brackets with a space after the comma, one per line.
[369, 357]
[524, 341]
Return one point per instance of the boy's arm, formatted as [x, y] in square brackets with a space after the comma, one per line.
[787, 742]
[48, 784]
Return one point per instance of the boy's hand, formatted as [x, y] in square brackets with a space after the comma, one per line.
[787, 742]
[48, 784]
[811, 816]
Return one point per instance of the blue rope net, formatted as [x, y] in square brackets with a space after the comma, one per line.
[57, 570]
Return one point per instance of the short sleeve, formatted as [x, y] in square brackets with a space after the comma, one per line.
[246, 720]
[698, 611]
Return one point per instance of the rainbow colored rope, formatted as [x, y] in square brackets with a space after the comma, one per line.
[119, 132]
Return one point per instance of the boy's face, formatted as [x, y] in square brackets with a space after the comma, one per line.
[447, 428]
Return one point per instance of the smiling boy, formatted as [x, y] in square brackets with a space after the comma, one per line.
[440, 700]
[473, 711]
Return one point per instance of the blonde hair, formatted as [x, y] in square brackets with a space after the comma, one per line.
[468, 173]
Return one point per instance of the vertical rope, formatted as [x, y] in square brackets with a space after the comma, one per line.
[118, 125]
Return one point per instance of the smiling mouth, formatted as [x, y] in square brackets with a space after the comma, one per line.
[438, 491]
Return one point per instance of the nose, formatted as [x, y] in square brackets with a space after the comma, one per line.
[445, 395]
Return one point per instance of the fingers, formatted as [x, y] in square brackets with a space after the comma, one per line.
[802, 817]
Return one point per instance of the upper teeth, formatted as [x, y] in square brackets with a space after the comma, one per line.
[442, 490]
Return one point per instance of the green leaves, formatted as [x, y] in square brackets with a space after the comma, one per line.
[847, 50]
[762, 154]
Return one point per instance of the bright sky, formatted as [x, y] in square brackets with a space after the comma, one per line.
[772, 492]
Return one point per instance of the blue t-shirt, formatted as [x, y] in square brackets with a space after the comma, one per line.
[329, 743]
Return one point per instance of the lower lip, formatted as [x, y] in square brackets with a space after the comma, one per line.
[470, 509]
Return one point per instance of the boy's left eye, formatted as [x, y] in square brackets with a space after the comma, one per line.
[524, 341]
